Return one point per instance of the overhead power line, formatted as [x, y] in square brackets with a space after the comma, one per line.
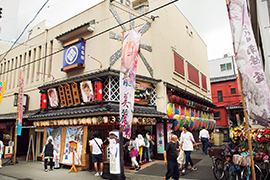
[24, 31]
[98, 34]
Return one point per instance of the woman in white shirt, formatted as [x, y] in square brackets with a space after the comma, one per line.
[186, 143]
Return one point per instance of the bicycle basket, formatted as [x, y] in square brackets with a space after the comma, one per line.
[216, 152]
[241, 160]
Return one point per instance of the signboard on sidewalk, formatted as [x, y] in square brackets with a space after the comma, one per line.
[8, 152]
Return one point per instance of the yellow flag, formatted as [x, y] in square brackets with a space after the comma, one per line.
[2, 90]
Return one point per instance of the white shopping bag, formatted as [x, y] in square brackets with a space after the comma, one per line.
[181, 157]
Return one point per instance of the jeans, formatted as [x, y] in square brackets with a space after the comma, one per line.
[188, 159]
[146, 153]
[205, 144]
[172, 170]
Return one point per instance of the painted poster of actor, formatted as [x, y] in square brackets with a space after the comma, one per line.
[87, 91]
[73, 133]
[53, 98]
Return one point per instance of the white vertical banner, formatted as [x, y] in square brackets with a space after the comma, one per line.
[255, 88]
[127, 80]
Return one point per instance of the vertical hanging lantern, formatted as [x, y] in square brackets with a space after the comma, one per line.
[43, 100]
[98, 90]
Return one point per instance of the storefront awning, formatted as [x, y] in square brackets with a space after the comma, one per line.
[12, 116]
[109, 109]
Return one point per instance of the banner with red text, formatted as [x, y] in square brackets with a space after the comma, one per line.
[20, 104]
[127, 79]
[255, 88]
[2, 90]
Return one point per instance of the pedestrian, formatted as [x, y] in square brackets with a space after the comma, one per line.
[204, 138]
[133, 153]
[186, 143]
[96, 151]
[146, 151]
[1, 151]
[48, 151]
[141, 144]
[170, 159]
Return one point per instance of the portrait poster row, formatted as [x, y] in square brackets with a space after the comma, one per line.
[61, 136]
[87, 94]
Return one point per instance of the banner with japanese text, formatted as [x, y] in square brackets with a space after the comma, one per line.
[255, 88]
[20, 104]
[2, 90]
[128, 69]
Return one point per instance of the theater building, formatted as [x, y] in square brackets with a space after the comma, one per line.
[72, 71]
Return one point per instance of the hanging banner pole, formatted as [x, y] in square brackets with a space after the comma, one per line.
[19, 118]
[247, 127]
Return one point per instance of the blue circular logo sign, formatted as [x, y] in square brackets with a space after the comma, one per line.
[71, 55]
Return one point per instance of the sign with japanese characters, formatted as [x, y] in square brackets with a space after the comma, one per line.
[74, 54]
[255, 88]
[2, 90]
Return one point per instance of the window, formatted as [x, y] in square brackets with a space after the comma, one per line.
[193, 74]
[220, 96]
[233, 91]
[203, 79]
[217, 115]
[229, 66]
[226, 67]
[179, 64]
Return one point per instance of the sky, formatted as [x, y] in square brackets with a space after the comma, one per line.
[208, 17]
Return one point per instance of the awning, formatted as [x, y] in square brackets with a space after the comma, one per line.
[12, 116]
[94, 110]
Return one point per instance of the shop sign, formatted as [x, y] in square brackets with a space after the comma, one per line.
[74, 54]
[8, 152]
[160, 138]
[115, 162]
[143, 92]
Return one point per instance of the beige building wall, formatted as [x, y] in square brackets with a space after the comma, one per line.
[168, 33]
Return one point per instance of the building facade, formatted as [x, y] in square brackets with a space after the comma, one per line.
[226, 94]
[172, 61]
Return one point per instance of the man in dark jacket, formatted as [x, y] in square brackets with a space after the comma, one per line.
[48, 151]
[170, 159]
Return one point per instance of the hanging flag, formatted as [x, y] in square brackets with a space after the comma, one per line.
[20, 104]
[2, 90]
[255, 88]
[127, 80]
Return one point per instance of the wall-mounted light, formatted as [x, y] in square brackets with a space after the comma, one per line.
[25, 100]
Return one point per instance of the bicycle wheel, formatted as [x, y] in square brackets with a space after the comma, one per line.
[218, 169]
[247, 175]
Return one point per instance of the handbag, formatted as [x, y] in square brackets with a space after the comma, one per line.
[99, 146]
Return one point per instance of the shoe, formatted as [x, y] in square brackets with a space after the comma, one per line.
[138, 168]
[101, 173]
[51, 169]
[150, 160]
[46, 170]
[194, 168]
[183, 172]
[0, 167]
[96, 174]
[133, 168]
[140, 162]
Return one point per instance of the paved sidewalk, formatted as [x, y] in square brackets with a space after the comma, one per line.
[34, 170]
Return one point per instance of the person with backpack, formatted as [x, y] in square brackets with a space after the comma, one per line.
[1, 151]
[96, 151]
